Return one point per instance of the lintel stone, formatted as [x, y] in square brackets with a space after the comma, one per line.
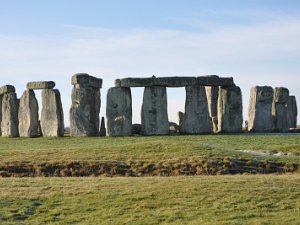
[175, 81]
[86, 79]
[40, 85]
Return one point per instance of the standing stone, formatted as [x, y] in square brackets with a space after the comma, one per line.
[260, 109]
[28, 115]
[154, 114]
[230, 110]
[196, 118]
[102, 127]
[292, 112]
[10, 122]
[119, 111]
[86, 103]
[279, 109]
[212, 93]
[52, 117]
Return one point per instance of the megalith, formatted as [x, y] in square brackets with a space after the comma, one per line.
[279, 109]
[292, 112]
[52, 117]
[154, 113]
[212, 93]
[119, 111]
[86, 102]
[260, 117]
[28, 115]
[230, 110]
[196, 118]
[102, 127]
[10, 105]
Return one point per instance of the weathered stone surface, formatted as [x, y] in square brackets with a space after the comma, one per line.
[36, 85]
[9, 123]
[52, 116]
[260, 109]
[154, 112]
[84, 112]
[212, 93]
[279, 109]
[28, 115]
[119, 111]
[173, 128]
[102, 128]
[175, 81]
[86, 80]
[196, 117]
[230, 110]
[7, 89]
[292, 112]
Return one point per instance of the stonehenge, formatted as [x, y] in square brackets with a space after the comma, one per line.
[154, 113]
[119, 111]
[213, 104]
[230, 111]
[260, 109]
[86, 103]
[196, 118]
[292, 112]
[9, 115]
[28, 115]
[52, 116]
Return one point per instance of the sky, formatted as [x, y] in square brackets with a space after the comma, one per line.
[254, 41]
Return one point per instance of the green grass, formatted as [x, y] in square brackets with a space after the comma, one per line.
[70, 149]
[175, 200]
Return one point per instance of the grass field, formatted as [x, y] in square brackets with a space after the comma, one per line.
[230, 199]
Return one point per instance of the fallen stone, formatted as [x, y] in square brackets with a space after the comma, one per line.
[260, 109]
[40, 85]
[154, 113]
[230, 110]
[52, 117]
[28, 115]
[174, 81]
[85, 79]
[119, 111]
[84, 112]
[7, 89]
[292, 112]
[196, 118]
[102, 128]
[9, 123]
[279, 109]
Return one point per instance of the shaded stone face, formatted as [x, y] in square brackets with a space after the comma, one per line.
[102, 127]
[175, 81]
[28, 115]
[86, 103]
[36, 85]
[119, 111]
[154, 114]
[196, 118]
[52, 117]
[7, 89]
[292, 112]
[230, 110]
[260, 117]
[10, 122]
[279, 109]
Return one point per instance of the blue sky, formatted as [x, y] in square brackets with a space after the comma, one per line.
[256, 42]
